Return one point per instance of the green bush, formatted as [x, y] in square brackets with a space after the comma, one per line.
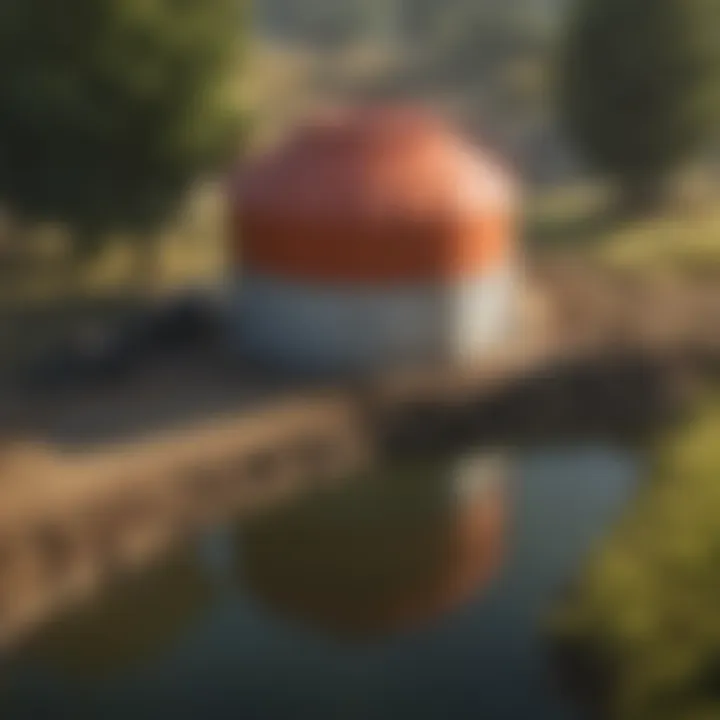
[646, 607]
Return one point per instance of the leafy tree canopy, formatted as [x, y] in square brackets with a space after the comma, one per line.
[110, 108]
[640, 82]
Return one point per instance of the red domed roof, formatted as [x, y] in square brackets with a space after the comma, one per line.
[373, 195]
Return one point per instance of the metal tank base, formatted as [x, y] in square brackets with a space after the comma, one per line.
[307, 327]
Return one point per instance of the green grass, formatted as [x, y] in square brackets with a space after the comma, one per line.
[577, 220]
[40, 299]
[647, 604]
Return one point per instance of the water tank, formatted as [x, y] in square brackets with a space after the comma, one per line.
[372, 237]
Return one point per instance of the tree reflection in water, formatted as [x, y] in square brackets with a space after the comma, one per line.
[387, 554]
[133, 622]
[369, 567]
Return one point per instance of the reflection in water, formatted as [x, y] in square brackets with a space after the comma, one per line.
[130, 624]
[246, 624]
[382, 555]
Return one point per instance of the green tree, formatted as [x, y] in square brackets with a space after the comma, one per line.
[110, 109]
[639, 89]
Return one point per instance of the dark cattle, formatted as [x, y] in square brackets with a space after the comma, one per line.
[105, 353]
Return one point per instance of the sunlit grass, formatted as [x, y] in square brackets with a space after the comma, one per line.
[47, 294]
[647, 604]
[689, 244]
[578, 219]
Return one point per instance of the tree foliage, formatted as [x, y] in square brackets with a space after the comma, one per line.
[110, 108]
[639, 88]
[645, 608]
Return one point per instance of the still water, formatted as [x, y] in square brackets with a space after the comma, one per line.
[416, 593]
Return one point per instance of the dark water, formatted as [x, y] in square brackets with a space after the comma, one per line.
[418, 593]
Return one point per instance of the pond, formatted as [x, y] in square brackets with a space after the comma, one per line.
[418, 592]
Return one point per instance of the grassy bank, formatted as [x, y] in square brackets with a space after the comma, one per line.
[645, 608]
[578, 220]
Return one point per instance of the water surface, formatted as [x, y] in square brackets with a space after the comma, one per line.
[416, 593]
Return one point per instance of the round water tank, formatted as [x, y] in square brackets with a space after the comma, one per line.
[373, 237]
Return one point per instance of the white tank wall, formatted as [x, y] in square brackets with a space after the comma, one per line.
[323, 328]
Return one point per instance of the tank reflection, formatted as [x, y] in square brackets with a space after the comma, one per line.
[130, 624]
[384, 555]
